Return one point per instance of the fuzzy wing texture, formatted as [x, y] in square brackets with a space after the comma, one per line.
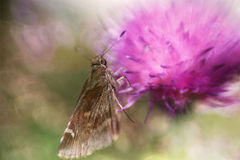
[92, 126]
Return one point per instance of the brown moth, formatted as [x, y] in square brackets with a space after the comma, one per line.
[94, 123]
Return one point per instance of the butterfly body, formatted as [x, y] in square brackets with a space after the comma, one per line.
[94, 123]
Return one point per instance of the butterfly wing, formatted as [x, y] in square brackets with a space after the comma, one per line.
[93, 125]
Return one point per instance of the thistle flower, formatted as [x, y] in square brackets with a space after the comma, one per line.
[179, 51]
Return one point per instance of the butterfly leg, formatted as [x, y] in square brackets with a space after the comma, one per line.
[122, 108]
[118, 71]
[116, 100]
[120, 81]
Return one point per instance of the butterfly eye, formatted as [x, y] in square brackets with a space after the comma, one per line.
[104, 62]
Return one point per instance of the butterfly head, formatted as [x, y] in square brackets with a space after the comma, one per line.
[99, 60]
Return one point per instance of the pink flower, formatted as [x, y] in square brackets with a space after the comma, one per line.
[179, 52]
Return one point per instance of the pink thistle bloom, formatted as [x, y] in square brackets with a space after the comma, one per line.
[179, 51]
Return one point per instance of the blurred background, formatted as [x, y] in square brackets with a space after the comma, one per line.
[44, 51]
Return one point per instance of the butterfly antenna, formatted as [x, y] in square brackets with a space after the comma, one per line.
[113, 43]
